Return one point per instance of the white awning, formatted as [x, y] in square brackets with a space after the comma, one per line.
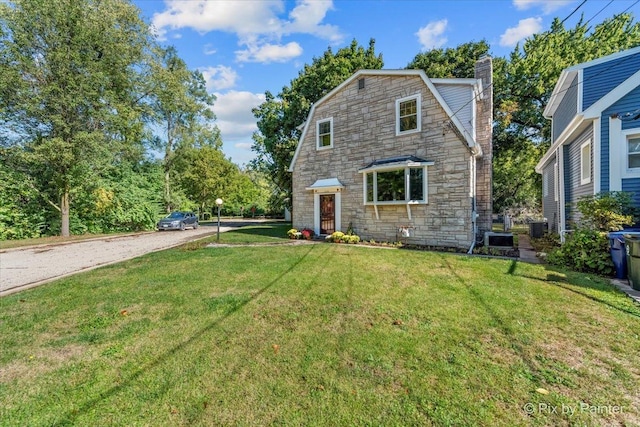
[328, 185]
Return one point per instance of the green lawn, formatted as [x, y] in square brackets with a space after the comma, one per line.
[319, 334]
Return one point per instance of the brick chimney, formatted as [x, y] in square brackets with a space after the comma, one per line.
[484, 136]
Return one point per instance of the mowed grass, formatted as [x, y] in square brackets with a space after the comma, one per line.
[319, 334]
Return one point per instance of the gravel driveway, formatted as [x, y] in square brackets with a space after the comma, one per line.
[23, 268]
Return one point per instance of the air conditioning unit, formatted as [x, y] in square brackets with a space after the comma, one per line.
[498, 240]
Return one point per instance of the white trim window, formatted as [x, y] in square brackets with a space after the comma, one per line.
[324, 134]
[408, 116]
[585, 163]
[397, 186]
[633, 152]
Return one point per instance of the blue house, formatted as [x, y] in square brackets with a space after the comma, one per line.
[595, 136]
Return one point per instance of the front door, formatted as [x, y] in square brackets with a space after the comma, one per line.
[327, 213]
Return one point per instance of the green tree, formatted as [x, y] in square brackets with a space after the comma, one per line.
[204, 174]
[181, 107]
[279, 117]
[68, 88]
[523, 85]
[458, 62]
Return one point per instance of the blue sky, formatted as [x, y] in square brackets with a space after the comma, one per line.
[247, 47]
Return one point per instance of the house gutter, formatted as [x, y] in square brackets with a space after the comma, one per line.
[474, 213]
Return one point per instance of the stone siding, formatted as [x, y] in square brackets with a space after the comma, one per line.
[364, 131]
[484, 135]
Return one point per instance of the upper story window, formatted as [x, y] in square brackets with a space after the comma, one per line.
[408, 114]
[324, 134]
[633, 151]
[585, 163]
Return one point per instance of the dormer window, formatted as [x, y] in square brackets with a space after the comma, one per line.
[324, 134]
[408, 115]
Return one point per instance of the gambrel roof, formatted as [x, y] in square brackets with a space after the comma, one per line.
[452, 105]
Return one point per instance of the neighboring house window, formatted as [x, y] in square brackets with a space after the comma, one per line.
[406, 185]
[585, 163]
[324, 132]
[545, 184]
[633, 152]
[408, 115]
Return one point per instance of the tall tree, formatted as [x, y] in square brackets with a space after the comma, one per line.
[182, 108]
[68, 74]
[522, 88]
[279, 117]
[458, 62]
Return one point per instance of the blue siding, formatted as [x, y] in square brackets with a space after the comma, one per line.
[567, 109]
[549, 204]
[632, 185]
[603, 78]
[628, 103]
[574, 190]
[604, 152]
[568, 188]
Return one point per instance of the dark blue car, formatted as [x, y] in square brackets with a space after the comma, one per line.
[178, 221]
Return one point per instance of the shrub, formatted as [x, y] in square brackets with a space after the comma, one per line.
[292, 233]
[607, 211]
[353, 239]
[340, 237]
[307, 233]
[585, 250]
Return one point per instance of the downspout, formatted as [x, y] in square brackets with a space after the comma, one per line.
[474, 213]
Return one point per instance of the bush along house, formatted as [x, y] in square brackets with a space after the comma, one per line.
[595, 136]
[395, 155]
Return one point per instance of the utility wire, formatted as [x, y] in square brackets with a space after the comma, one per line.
[473, 99]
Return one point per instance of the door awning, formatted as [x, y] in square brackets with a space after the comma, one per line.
[326, 185]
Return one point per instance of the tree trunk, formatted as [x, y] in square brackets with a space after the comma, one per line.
[167, 192]
[64, 213]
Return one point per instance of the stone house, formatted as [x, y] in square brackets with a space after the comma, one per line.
[398, 156]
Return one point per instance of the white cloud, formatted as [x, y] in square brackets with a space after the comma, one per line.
[269, 53]
[241, 17]
[306, 18]
[547, 6]
[430, 36]
[257, 23]
[234, 116]
[208, 49]
[243, 145]
[219, 78]
[525, 28]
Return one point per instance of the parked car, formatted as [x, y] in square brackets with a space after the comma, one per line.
[178, 221]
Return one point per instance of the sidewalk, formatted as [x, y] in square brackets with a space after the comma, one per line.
[527, 253]
[623, 285]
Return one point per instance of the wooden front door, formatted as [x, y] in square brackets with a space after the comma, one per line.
[327, 213]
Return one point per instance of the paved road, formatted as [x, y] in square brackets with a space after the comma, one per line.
[25, 268]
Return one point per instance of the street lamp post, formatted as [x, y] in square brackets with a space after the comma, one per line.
[219, 204]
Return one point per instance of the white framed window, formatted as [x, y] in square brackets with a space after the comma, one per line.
[406, 185]
[585, 163]
[408, 114]
[545, 184]
[633, 152]
[324, 134]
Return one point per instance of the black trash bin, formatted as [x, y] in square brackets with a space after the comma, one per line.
[618, 254]
[536, 229]
[632, 243]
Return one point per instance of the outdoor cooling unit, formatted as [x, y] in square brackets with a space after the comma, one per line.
[498, 240]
